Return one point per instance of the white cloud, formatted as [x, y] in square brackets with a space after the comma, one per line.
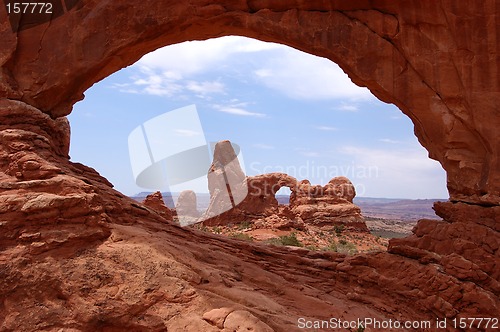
[147, 81]
[193, 57]
[129, 90]
[388, 140]
[239, 104]
[187, 132]
[263, 146]
[159, 90]
[326, 128]
[170, 70]
[263, 73]
[303, 76]
[151, 83]
[240, 111]
[347, 108]
[205, 87]
[411, 158]
[399, 173]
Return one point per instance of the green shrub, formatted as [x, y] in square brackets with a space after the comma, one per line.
[242, 236]
[286, 240]
[347, 248]
[245, 225]
[339, 229]
[202, 228]
[331, 247]
[290, 240]
[275, 241]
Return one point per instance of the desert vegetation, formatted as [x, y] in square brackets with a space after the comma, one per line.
[334, 239]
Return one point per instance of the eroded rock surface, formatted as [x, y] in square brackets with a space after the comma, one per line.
[226, 181]
[77, 255]
[235, 198]
[330, 204]
[155, 201]
[258, 201]
[187, 204]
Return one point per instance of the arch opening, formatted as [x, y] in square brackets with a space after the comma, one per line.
[246, 92]
[283, 196]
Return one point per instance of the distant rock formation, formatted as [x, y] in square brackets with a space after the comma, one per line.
[314, 204]
[327, 205]
[226, 181]
[186, 207]
[155, 202]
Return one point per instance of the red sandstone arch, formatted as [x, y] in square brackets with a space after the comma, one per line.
[435, 60]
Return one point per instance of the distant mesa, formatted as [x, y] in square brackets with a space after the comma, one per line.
[331, 204]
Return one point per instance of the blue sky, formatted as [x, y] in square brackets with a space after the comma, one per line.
[287, 110]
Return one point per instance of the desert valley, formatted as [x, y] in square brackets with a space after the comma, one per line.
[321, 218]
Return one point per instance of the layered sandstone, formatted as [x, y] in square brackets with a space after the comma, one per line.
[75, 254]
[155, 201]
[258, 201]
[235, 198]
[330, 204]
[226, 181]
